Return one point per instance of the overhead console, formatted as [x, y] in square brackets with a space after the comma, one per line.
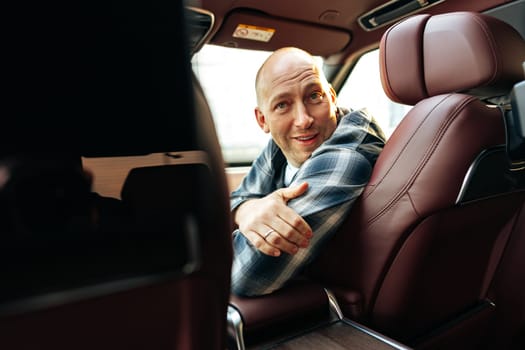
[393, 11]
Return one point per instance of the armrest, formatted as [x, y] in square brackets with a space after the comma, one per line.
[265, 317]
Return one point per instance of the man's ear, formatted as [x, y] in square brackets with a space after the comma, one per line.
[333, 98]
[261, 120]
[333, 95]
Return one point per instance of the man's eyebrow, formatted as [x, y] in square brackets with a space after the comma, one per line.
[280, 96]
[317, 83]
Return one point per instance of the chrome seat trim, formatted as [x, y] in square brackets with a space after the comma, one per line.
[334, 306]
[235, 327]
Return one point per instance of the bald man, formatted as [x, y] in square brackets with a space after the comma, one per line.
[303, 184]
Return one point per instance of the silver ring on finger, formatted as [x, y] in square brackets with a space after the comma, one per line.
[269, 232]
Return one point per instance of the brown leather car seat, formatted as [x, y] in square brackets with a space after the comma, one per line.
[412, 259]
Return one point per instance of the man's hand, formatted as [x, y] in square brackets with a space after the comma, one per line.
[271, 226]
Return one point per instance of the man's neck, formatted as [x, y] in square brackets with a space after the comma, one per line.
[289, 174]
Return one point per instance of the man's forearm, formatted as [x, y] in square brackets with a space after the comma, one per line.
[254, 273]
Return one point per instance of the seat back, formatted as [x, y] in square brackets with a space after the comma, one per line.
[113, 79]
[507, 290]
[414, 252]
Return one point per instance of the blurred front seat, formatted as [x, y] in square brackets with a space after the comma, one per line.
[113, 79]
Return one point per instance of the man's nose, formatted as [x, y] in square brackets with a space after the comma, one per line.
[303, 119]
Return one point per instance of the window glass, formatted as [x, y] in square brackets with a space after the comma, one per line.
[363, 89]
[227, 76]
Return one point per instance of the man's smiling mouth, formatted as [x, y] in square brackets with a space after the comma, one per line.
[306, 137]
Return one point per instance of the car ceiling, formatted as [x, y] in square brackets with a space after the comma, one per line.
[328, 28]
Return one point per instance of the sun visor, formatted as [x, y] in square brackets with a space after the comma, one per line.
[256, 31]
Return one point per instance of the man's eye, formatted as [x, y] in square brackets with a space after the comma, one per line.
[281, 106]
[315, 97]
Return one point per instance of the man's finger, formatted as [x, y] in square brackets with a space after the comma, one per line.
[293, 192]
[261, 244]
[279, 242]
[295, 228]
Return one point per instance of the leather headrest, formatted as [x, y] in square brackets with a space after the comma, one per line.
[426, 55]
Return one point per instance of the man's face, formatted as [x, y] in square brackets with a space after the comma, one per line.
[296, 105]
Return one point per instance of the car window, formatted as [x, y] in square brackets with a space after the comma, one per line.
[227, 76]
[363, 89]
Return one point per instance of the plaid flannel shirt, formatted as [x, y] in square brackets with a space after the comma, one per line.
[336, 172]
